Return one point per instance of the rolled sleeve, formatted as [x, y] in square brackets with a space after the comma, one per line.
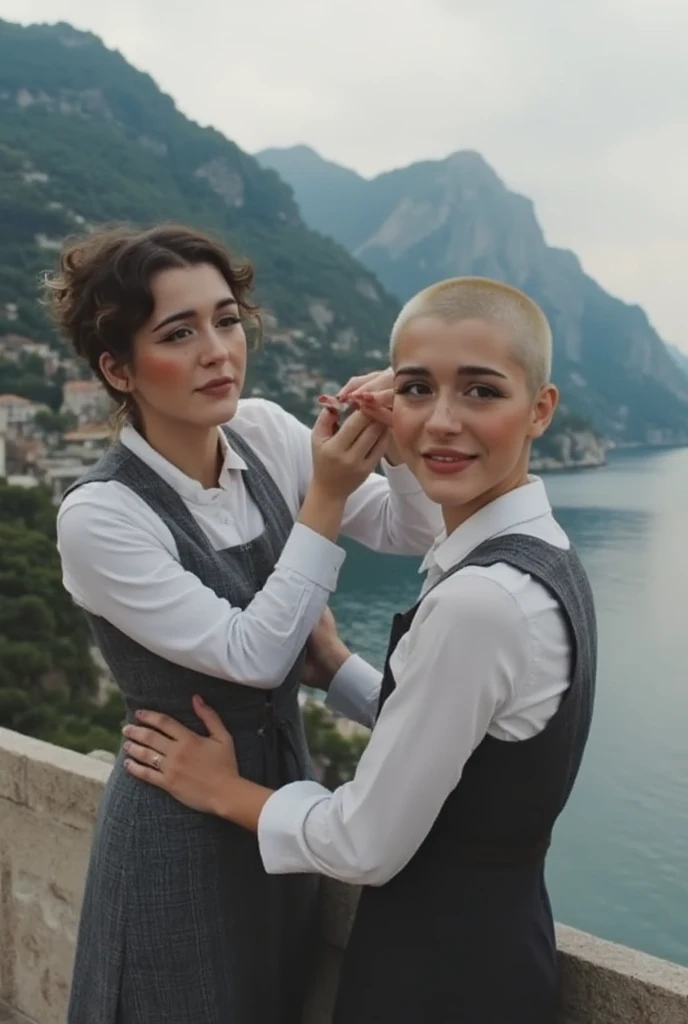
[355, 691]
[280, 827]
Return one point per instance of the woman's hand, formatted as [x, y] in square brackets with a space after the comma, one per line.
[378, 380]
[196, 770]
[325, 653]
[343, 456]
[373, 394]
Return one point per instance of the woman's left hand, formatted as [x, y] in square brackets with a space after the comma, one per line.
[194, 769]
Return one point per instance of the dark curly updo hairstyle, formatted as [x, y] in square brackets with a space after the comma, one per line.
[101, 295]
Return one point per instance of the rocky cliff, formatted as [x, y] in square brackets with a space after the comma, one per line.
[442, 218]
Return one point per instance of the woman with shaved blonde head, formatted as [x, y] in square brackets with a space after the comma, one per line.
[481, 715]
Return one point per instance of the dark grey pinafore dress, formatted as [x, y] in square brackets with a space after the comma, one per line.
[180, 923]
[464, 933]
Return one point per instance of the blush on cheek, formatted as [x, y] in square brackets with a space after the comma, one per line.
[161, 369]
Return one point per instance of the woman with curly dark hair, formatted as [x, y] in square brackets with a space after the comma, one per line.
[203, 555]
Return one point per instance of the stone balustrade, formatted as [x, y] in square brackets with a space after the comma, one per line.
[48, 801]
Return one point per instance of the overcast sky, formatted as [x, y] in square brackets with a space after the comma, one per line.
[582, 106]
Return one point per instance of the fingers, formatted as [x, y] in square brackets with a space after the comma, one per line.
[378, 450]
[378, 406]
[383, 382]
[329, 402]
[357, 382]
[156, 778]
[368, 440]
[375, 381]
[353, 428]
[211, 720]
[145, 755]
[358, 436]
[384, 397]
[325, 425]
[150, 738]
[162, 723]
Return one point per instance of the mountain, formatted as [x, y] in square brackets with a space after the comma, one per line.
[442, 218]
[679, 357]
[85, 138]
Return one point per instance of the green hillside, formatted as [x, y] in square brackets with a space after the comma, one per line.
[86, 139]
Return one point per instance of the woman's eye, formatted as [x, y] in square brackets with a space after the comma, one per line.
[481, 391]
[178, 335]
[416, 389]
[229, 321]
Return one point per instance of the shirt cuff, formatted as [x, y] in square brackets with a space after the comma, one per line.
[312, 556]
[401, 479]
[355, 691]
[280, 828]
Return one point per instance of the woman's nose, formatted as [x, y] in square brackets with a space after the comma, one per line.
[444, 419]
[214, 347]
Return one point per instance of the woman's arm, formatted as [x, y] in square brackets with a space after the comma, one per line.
[354, 691]
[468, 648]
[352, 684]
[116, 565]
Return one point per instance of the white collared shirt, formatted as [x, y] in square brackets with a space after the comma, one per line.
[487, 652]
[120, 561]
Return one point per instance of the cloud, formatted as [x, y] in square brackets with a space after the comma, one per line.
[581, 107]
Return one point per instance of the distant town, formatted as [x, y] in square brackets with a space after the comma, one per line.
[36, 445]
[41, 446]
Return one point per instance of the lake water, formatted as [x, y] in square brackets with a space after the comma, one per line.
[619, 862]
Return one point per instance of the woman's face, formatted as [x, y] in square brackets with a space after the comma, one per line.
[464, 413]
[189, 359]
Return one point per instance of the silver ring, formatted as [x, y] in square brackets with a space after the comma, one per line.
[156, 761]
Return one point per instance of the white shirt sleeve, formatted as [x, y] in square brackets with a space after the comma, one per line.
[355, 691]
[120, 569]
[468, 647]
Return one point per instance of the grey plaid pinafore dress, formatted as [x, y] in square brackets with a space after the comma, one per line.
[180, 923]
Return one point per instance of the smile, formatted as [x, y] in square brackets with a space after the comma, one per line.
[450, 462]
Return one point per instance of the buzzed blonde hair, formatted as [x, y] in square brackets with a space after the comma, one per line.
[481, 298]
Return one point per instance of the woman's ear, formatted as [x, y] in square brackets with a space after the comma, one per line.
[544, 407]
[117, 376]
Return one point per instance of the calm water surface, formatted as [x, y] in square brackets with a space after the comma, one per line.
[619, 862]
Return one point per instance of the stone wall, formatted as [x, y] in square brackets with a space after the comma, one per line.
[48, 799]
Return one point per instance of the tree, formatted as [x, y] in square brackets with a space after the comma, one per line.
[46, 669]
[31, 507]
[334, 754]
[49, 422]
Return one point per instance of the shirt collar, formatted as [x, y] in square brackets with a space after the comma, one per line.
[184, 485]
[512, 509]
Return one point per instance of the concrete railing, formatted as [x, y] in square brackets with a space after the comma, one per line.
[48, 800]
